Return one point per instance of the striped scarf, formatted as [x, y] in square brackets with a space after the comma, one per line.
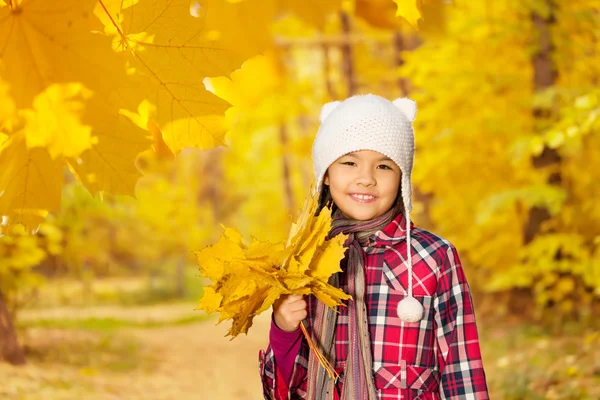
[358, 370]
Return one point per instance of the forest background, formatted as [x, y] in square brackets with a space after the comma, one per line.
[131, 130]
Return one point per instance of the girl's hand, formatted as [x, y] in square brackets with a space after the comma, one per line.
[289, 311]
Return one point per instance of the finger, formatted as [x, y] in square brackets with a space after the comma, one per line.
[292, 298]
[299, 315]
[297, 306]
[281, 301]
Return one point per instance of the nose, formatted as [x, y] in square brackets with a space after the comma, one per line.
[365, 177]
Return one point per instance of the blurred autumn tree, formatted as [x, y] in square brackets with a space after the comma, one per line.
[506, 137]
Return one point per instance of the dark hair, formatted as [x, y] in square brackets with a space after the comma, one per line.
[325, 200]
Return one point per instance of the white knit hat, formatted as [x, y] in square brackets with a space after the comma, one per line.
[370, 122]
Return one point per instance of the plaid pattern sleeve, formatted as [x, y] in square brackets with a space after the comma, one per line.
[461, 366]
[274, 386]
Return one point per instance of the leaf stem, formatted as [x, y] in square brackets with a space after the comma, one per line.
[322, 359]
[111, 18]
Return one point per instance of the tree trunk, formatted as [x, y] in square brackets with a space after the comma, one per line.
[286, 170]
[326, 71]
[348, 65]
[10, 349]
[399, 47]
[544, 76]
[180, 279]
[213, 168]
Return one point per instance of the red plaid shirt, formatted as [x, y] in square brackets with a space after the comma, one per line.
[436, 358]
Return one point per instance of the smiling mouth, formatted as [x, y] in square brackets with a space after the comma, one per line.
[362, 198]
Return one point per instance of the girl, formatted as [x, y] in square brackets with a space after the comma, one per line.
[409, 332]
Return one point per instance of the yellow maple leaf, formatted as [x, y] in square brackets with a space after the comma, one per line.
[211, 300]
[247, 280]
[24, 179]
[409, 10]
[248, 86]
[174, 44]
[50, 52]
[378, 13]
[328, 294]
[240, 285]
[7, 108]
[45, 43]
[119, 54]
[55, 121]
[202, 132]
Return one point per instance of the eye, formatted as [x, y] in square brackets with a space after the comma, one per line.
[348, 163]
[383, 166]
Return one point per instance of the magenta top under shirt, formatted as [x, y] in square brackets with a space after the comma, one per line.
[285, 346]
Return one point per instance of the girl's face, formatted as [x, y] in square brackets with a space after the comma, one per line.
[363, 184]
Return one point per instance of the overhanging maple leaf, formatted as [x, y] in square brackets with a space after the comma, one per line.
[248, 279]
[31, 177]
[173, 46]
[48, 53]
[160, 52]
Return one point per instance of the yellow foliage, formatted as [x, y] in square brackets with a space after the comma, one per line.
[379, 13]
[152, 233]
[19, 252]
[7, 108]
[174, 45]
[26, 252]
[409, 10]
[53, 238]
[257, 90]
[73, 72]
[315, 12]
[477, 134]
[29, 179]
[263, 139]
[203, 132]
[247, 279]
[43, 46]
[55, 121]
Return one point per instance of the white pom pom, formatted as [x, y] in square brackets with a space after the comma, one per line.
[407, 106]
[410, 310]
[327, 109]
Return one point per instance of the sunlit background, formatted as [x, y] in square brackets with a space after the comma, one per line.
[132, 131]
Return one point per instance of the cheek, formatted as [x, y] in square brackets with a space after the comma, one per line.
[392, 186]
[335, 178]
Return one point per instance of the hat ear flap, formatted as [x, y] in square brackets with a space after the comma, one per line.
[407, 106]
[327, 109]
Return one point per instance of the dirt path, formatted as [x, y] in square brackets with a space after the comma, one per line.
[198, 362]
[191, 361]
[195, 361]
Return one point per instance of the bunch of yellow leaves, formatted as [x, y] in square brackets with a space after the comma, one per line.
[247, 280]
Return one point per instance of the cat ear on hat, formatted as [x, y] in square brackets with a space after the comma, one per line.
[327, 109]
[407, 106]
